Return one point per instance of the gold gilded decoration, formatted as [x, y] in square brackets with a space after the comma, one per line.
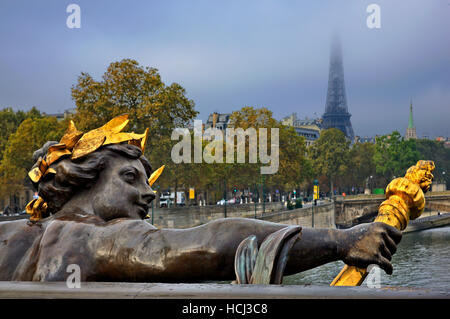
[71, 136]
[55, 152]
[144, 140]
[35, 174]
[117, 124]
[77, 144]
[123, 137]
[110, 133]
[90, 144]
[405, 201]
[38, 171]
[92, 140]
[155, 175]
[421, 174]
[36, 208]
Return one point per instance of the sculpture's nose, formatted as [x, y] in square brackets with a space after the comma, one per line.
[148, 195]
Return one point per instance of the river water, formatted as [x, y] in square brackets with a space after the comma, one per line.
[422, 260]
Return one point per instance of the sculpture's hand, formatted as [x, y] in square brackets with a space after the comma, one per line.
[367, 244]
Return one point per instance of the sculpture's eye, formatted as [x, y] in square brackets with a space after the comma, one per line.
[129, 176]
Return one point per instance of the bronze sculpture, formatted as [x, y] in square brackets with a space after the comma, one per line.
[94, 192]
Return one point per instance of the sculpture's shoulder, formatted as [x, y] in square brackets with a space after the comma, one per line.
[21, 234]
[18, 230]
[18, 235]
[91, 229]
[93, 221]
[17, 238]
[88, 227]
[85, 240]
[63, 217]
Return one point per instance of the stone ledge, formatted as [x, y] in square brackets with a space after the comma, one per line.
[110, 290]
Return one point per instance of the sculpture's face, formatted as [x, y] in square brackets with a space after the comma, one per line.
[122, 190]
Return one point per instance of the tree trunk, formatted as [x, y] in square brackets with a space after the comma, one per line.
[331, 187]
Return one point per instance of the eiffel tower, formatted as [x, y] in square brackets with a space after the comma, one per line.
[336, 112]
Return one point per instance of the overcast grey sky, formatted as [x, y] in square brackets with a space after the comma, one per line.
[229, 54]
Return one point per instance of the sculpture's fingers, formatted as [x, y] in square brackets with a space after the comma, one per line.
[385, 252]
[390, 244]
[385, 265]
[394, 233]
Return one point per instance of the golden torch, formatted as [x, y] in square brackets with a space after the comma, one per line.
[405, 200]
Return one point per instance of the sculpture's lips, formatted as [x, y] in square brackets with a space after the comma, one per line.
[143, 209]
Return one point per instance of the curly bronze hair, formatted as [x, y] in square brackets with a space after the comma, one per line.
[73, 175]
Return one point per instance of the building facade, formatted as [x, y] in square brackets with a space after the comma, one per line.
[218, 120]
[308, 128]
[61, 116]
[365, 139]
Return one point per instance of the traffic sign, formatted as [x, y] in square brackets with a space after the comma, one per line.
[316, 192]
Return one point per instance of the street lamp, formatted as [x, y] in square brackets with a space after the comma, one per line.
[370, 184]
[443, 180]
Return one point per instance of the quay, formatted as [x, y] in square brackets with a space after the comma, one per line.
[428, 222]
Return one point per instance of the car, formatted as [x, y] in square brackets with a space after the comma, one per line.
[165, 202]
[229, 201]
[167, 199]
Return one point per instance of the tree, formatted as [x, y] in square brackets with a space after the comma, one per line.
[394, 155]
[247, 174]
[127, 87]
[10, 121]
[18, 156]
[361, 164]
[330, 155]
[436, 151]
[294, 168]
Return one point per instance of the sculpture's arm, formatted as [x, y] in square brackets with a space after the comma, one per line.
[206, 252]
[134, 250]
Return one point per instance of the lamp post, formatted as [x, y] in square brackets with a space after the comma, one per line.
[263, 195]
[254, 198]
[225, 197]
